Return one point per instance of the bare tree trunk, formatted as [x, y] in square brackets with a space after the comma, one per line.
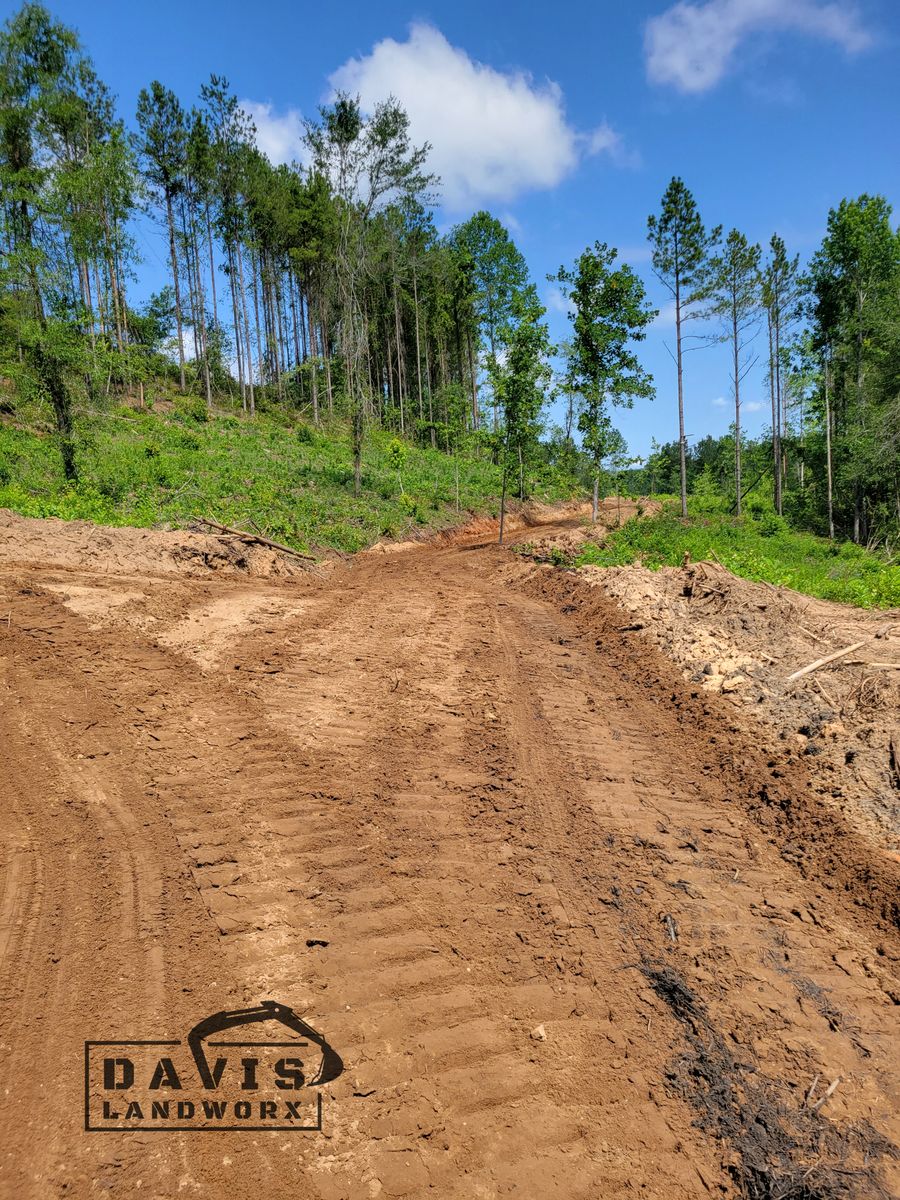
[828, 468]
[314, 361]
[779, 409]
[737, 405]
[681, 437]
[398, 346]
[174, 259]
[249, 355]
[474, 380]
[326, 353]
[232, 279]
[418, 348]
[776, 440]
[212, 266]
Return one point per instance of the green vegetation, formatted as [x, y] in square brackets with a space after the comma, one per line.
[294, 482]
[322, 302]
[760, 547]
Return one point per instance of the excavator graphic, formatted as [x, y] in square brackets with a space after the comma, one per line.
[269, 1010]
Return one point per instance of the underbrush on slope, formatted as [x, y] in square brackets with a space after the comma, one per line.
[763, 549]
[144, 468]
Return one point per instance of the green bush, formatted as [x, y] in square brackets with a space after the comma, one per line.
[770, 523]
[191, 408]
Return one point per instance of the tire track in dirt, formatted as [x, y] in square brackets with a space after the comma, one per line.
[419, 803]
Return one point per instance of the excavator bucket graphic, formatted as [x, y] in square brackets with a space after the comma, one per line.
[328, 1068]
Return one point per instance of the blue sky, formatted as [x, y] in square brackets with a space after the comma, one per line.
[567, 121]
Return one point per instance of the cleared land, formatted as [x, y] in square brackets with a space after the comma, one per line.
[572, 926]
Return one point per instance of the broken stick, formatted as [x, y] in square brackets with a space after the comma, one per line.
[255, 537]
[823, 662]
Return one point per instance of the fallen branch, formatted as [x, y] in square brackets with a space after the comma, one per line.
[826, 695]
[829, 1092]
[823, 662]
[255, 537]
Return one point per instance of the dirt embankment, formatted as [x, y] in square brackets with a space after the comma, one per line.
[745, 640]
[572, 928]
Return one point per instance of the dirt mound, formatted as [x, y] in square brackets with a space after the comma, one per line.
[612, 512]
[745, 639]
[106, 550]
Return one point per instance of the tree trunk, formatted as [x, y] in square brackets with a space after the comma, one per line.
[502, 502]
[212, 267]
[247, 349]
[737, 406]
[473, 378]
[314, 361]
[828, 468]
[681, 438]
[776, 440]
[174, 259]
[418, 346]
[779, 409]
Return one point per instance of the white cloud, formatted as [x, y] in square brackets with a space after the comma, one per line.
[692, 44]
[665, 317]
[720, 402]
[495, 134]
[605, 140]
[555, 301]
[753, 406]
[278, 135]
[641, 253]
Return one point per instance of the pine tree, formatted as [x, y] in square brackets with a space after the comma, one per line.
[681, 246]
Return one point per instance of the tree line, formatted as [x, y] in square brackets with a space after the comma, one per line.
[325, 288]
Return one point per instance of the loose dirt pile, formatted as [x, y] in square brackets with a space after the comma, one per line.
[745, 639]
[83, 546]
[573, 930]
[571, 528]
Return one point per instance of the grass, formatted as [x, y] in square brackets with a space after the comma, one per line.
[144, 468]
[761, 548]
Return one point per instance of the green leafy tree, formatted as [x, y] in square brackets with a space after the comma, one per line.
[520, 377]
[609, 312]
[681, 246]
[855, 283]
[497, 273]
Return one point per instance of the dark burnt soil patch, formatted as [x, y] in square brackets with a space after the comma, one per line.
[778, 1151]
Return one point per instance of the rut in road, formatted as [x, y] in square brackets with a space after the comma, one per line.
[481, 839]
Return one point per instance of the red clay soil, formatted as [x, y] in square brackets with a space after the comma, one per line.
[572, 933]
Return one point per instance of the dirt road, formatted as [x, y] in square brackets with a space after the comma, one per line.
[571, 932]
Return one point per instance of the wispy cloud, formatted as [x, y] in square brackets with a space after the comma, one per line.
[692, 45]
